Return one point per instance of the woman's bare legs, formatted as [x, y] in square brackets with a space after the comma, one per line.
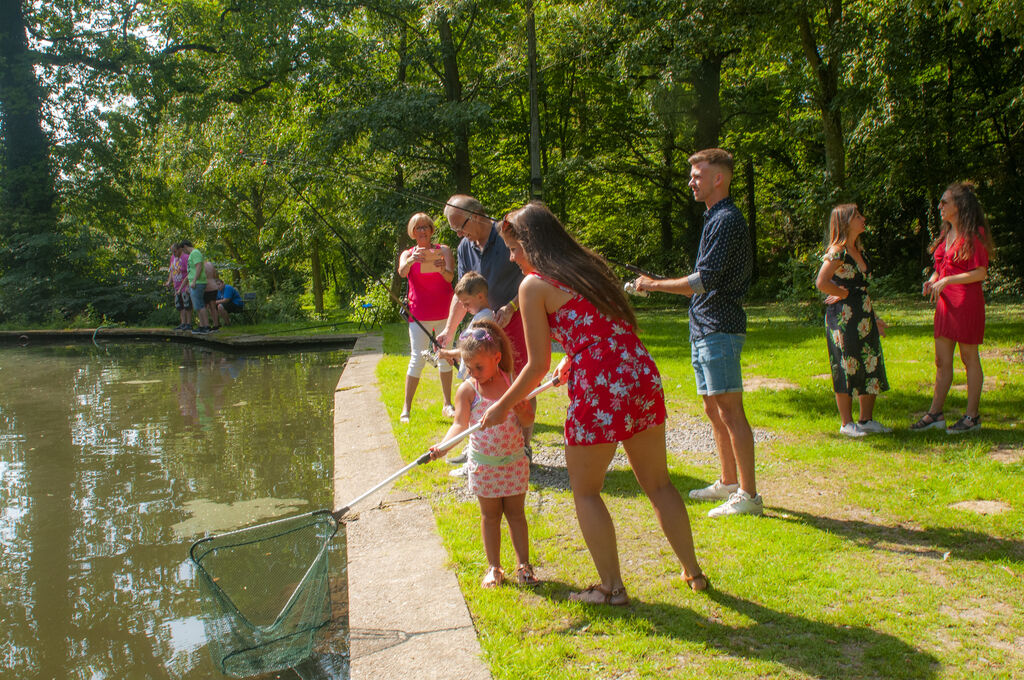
[943, 373]
[975, 377]
[514, 508]
[867, 406]
[845, 405]
[587, 466]
[647, 457]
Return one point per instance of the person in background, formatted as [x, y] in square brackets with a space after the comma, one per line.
[499, 472]
[961, 254]
[177, 279]
[615, 391]
[228, 302]
[852, 329]
[197, 286]
[430, 268]
[210, 293]
[718, 330]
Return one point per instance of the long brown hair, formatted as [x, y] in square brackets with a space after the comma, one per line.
[554, 252]
[972, 222]
[839, 225]
[494, 340]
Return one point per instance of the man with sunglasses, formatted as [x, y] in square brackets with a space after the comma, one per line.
[481, 249]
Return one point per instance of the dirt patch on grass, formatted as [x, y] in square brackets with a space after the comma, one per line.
[1007, 455]
[982, 507]
[752, 383]
[1013, 354]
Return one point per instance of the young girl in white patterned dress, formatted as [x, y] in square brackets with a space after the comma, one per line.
[499, 472]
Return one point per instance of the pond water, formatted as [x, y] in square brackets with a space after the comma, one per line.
[113, 461]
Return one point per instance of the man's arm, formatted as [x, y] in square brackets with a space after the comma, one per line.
[688, 286]
[456, 313]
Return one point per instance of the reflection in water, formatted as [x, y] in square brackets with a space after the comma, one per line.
[101, 456]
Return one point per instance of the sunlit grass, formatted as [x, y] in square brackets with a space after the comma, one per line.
[861, 568]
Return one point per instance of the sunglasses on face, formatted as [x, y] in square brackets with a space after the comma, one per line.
[461, 227]
[477, 334]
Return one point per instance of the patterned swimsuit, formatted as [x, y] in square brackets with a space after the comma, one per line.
[614, 386]
[498, 466]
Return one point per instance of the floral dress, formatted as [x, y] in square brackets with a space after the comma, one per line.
[498, 466]
[614, 386]
[854, 344]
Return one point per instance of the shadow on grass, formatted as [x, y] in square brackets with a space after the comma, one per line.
[819, 650]
[928, 542]
[619, 482]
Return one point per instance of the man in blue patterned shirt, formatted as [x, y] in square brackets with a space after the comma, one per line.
[718, 327]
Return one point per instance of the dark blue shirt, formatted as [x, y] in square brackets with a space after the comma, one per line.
[725, 260]
[493, 263]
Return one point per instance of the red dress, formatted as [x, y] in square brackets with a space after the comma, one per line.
[960, 310]
[614, 386]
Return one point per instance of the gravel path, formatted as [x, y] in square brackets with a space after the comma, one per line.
[689, 440]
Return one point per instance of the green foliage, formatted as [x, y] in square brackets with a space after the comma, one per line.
[263, 132]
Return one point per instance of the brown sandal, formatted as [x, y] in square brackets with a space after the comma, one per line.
[524, 575]
[697, 582]
[597, 594]
[494, 577]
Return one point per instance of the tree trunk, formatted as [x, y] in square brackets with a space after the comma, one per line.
[28, 220]
[668, 148]
[748, 168]
[826, 72]
[708, 113]
[318, 276]
[461, 170]
[536, 182]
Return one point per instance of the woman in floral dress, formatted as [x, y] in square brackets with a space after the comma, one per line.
[615, 391]
[853, 330]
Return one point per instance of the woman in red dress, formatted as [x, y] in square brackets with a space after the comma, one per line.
[961, 255]
[614, 389]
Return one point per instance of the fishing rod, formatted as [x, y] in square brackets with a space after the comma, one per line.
[629, 286]
[362, 264]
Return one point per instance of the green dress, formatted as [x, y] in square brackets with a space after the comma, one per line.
[854, 344]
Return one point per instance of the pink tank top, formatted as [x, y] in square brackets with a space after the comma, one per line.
[505, 439]
[430, 295]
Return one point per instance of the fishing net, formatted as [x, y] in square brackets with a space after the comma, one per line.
[265, 592]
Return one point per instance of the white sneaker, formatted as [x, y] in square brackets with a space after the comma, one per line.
[461, 471]
[851, 429]
[457, 460]
[739, 503]
[715, 492]
[873, 427]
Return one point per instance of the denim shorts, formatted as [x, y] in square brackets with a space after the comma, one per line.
[716, 363]
[197, 296]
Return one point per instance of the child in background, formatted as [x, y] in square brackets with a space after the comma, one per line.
[961, 254]
[499, 471]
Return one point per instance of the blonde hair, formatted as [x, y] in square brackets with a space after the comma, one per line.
[839, 225]
[471, 283]
[415, 220]
[493, 340]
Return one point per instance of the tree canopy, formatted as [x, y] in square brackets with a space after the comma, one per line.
[264, 131]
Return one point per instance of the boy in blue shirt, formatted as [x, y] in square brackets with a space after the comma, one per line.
[228, 301]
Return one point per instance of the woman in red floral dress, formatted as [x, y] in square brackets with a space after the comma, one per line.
[961, 255]
[614, 389]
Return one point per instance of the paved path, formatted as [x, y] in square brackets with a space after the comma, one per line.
[407, 616]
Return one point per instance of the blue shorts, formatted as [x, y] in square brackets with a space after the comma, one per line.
[197, 296]
[716, 363]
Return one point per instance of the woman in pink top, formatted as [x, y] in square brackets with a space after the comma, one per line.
[961, 255]
[430, 269]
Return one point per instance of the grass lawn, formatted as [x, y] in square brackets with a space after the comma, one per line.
[874, 558]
